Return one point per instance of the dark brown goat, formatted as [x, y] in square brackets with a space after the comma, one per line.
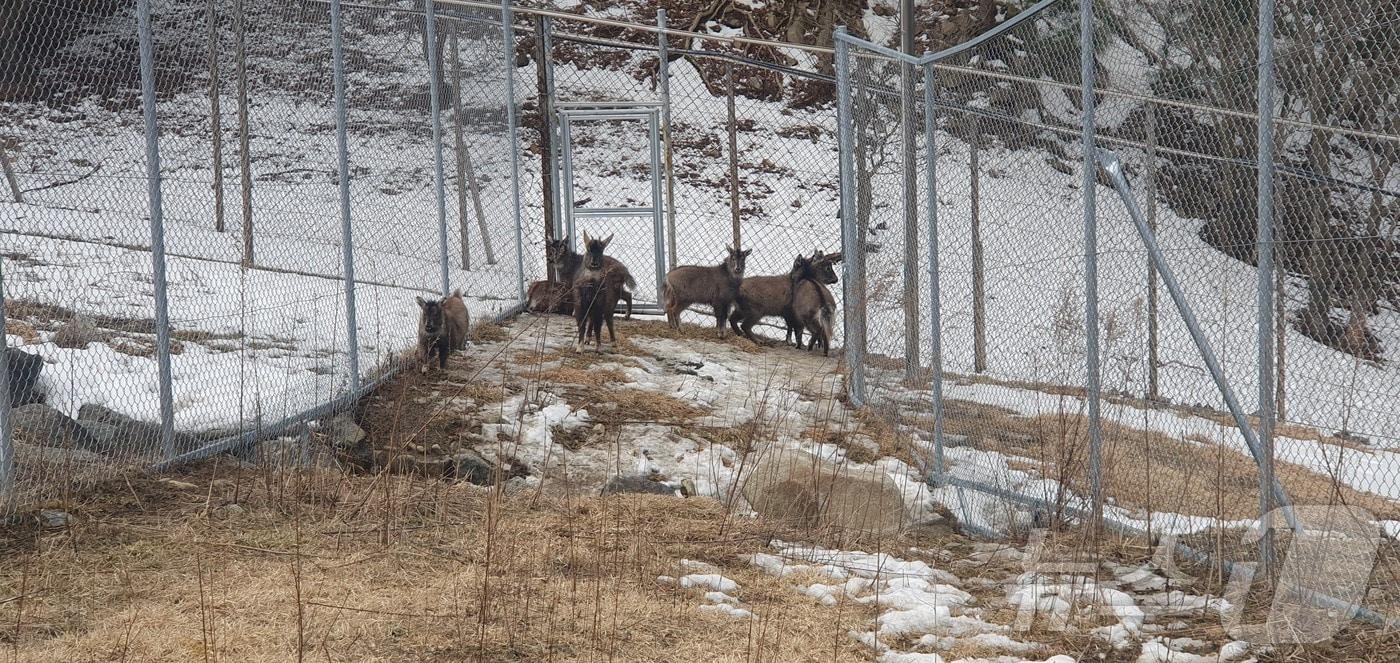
[716, 286]
[597, 287]
[821, 268]
[813, 307]
[442, 328]
[765, 296]
[566, 267]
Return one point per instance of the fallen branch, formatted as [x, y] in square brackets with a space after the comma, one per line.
[75, 180]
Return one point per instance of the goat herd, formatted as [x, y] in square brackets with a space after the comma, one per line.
[590, 286]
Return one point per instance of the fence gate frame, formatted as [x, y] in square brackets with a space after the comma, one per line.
[567, 113]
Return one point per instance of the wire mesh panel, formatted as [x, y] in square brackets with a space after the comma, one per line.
[255, 243]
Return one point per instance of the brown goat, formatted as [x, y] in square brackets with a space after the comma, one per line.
[813, 307]
[566, 267]
[717, 286]
[551, 297]
[597, 287]
[442, 328]
[821, 267]
[765, 296]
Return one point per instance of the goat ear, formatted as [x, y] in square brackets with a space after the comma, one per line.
[586, 238]
[457, 292]
[421, 302]
[607, 241]
[834, 257]
[746, 252]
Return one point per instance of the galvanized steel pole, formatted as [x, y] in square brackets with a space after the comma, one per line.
[934, 298]
[1091, 249]
[7, 450]
[347, 246]
[435, 107]
[162, 314]
[850, 236]
[508, 35]
[1264, 245]
[663, 78]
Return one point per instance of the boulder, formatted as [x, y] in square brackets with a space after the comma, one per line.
[43, 426]
[131, 434]
[470, 466]
[342, 432]
[23, 369]
[805, 491]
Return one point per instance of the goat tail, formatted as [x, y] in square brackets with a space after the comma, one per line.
[828, 323]
[665, 295]
[631, 282]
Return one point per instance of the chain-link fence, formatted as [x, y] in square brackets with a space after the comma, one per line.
[286, 295]
[980, 353]
[1088, 350]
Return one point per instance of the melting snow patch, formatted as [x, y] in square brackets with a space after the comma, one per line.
[726, 609]
[714, 581]
[1158, 650]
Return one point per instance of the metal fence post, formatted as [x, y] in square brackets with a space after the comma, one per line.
[162, 315]
[1150, 192]
[663, 79]
[1265, 248]
[245, 156]
[1091, 258]
[935, 359]
[7, 451]
[556, 181]
[907, 109]
[851, 246]
[435, 106]
[216, 129]
[347, 247]
[508, 34]
[732, 126]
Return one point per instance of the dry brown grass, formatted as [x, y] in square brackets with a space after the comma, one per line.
[488, 332]
[22, 329]
[591, 377]
[326, 567]
[688, 332]
[633, 406]
[1147, 469]
[1291, 429]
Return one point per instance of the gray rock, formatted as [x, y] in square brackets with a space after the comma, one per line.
[23, 369]
[43, 426]
[472, 467]
[342, 432]
[105, 434]
[53, 518]
[77, 333]
[133, 434]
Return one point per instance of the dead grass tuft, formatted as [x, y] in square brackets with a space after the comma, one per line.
[591, 377]
[659, 329]
[620, 405]
[23, 330]
[488, 332]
